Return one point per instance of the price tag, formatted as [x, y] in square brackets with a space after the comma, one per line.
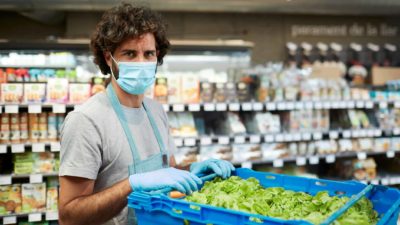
[309, 105]
[194, 107]
[377, 133]
[55, 146]
[375, 182]
[355, 133]
[246, 106]
[299, 105]
[166, 107]
[385, 181]
[51, 216]
[257, 106]
[34, 109]
[190, 141]
[221, 106]
[363, 133]
[35, 217]
[209, 107]
[333, 134]
[59, 108]
[278, 163]
[5, 180]
[351, 104]
[239, 139]
[271, 106]
[35, 178]
[178, 142]
[306, 136]
[269, 138]
[318, 105]
[3, 149]
[397, 104]
[38, 147]
[255, 139]
[369, 104]
[383, 105]
[360, 104]
[346, 134]
[361, 155]
[234, 106]
[390, 154]
[12, 109]
[223, 140]
[327, 105]
[342, 104]
[317, 136]
[282, 106]
[301, 161]
[314, 160]
[10, 220]
[17, 148]
[178, 107]
[297, 137]
[288, 137]
[205, 141]
[248, 165]
[370, 133]
[335, 105]
[396, 131]
[393, 180]
[290, 105]
[330, 158]
[279, 138]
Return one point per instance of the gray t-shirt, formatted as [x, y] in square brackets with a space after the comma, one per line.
[94, 145]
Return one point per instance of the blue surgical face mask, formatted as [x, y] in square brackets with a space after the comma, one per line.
[135, 77]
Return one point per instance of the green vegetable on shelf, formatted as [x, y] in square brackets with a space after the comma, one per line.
[249, 196]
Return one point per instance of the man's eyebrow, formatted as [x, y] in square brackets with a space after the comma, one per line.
[128, 50]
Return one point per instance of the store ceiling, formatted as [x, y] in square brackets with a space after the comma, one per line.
[332, 7]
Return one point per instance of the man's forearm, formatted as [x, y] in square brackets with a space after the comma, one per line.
[96, 208]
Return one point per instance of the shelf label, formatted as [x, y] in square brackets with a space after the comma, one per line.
[269, 138]
[221, 106]
[369, 105]
[317, 136]
[350, 104]
[10, 220]
[190, 142]
[355, 133]
[375, 182]
[11, 109]
[234, 106]
[330, 158]
[51, 216]
[38, 147]
[335, 105]
[178, 107]
[314, 160]
[370, 133]
[255, 139]
[290, 105]
[385, 181]
[277, 163]
[390, 154]
[205, 141]
[297, 136]
[166, 107]
[246, 106]
[35, 217]
[299, 105]
[279, 138]
[306, 136]
[327, 105]
[271, 106]
[35, 178]
[342, 105]
[383, 105]
[288, 137]
[34, 109]
[55, 146]
[301, 161]
[209, 107]
[377, 133]
[257, 106]
[309, 105]
[17, 148]
[59, 108]
[361, 155]
[333, 134]
[239, 139]
[346, 134]
[3, 149]
[397, 104]
[360, 104]
[223, 140]
[5, 180]
[282, 106]
[178, 142]
[318, 105]
[363, 133]
[396, 131]
[194, 107]
[248, 165]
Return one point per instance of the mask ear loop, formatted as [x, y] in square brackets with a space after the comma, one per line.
[111, 66]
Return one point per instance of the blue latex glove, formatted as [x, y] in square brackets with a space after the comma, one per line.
[180, 180]
[221, 167]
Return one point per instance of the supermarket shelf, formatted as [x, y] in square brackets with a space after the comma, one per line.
[314, 159]
[35, 147]
[384, 180]
[36, 108]
[32, 217]
[280, 106]
[53, 66]
[33, 178]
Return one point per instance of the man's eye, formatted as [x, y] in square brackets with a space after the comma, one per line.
[150, 54]
[130, 54]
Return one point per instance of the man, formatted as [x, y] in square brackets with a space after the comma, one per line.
[119, 141]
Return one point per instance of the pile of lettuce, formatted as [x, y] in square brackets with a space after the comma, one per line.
[249, 196]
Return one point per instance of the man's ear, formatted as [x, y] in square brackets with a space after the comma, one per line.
[107, 57]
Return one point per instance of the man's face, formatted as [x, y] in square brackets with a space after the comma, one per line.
[141, 49]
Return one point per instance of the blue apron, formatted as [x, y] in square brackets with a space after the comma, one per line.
[154, 162]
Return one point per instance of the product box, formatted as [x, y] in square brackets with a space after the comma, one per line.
[207, 92]
[246, 152]
[161, 90]
[33, 197]
[230, 92]
[5, 128]
[345, 145]
[57, 90]
[187, 125]
[24, 128]
[174, 88]
[12, 93]
[216, 152]
[234, 123]
[382, 144]
[34, 93]
[79, 93]
[42, 125]
[43, 162]
[271, 151]
[14, 128]
[190, 89]
[220, 92]
[10, 199]
[33, 125]
[186, 155]
[52, 132]
[396, 144]
[243, 92]
[174, 125]
[365, 144]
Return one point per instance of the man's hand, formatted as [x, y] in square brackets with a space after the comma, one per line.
[221, 167]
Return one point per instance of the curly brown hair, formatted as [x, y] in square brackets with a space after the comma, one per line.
[127, 21]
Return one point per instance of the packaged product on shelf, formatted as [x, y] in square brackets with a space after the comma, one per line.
[174, 125]
[43, 162]
[161, 90]
[264, 123]
[230, 92]
[186, 156]
[34, 132]
[271, 151]
[33, 197]
[365, 144]
[382, 144]
[60, 121]
[207, 92]
[395, 146]
[395, 113]
[4, 192]
[230, 125]
[52, 195]
[363, 118]
[187, 125]
[216, 152]
[326, 147]
[220, 94]
[15, 134]
[11, 75]
[34, 93]
[57, 90]
[47, 74]
[21, 75]
[364, 169]
[243, 92]
[190, 88]
[23, 126]
[10, 199]
[52, 132]
[43, 127]
[23, 163]
[5, 128]
[98, 85]
[3, 76]
[34, 75]
[12, 93]
[264, 89]
[345, 145]
[246, 152]
[79, 93]
[174, 88]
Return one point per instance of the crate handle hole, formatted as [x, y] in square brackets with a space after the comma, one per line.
[195, 207]
[255, 219]
[340, 192]
[177, 211]
[270, 177]
[319, 183]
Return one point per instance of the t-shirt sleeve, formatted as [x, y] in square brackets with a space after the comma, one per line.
[80, 154]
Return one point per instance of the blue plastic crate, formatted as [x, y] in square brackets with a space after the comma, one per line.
[161, 209]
